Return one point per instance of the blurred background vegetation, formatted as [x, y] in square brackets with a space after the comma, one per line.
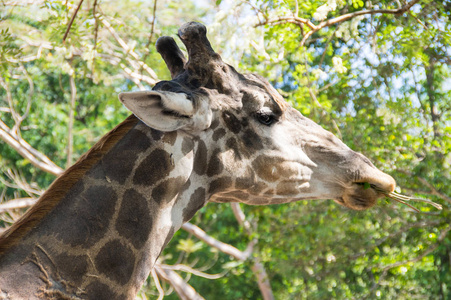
[379, 81]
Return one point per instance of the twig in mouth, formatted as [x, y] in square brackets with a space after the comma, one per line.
[403, 198]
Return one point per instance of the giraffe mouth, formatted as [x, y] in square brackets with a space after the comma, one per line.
[362, 195]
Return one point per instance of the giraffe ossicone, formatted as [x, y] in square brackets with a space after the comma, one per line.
[209, 134]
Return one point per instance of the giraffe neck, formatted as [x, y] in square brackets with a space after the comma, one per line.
[106, 233]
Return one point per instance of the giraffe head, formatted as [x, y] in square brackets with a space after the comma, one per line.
[252, 146]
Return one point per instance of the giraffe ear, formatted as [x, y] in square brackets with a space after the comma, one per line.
[167, 111]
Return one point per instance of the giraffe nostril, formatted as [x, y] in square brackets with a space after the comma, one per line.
[377, 187]
[385, 184]
[367, 174]
[373, 177]
[339, 201]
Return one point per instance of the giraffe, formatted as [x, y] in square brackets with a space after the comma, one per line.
[209, 134]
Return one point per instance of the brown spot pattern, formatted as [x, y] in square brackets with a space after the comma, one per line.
[224, 200]
[154, 167]
[168, 238]
[252, 140]
[257, 188]
[214, 124]
[269, 168]
[119, 162]
[134, 221]
[200, 159]
[231, 121]
[167, 190]
[215, 165]
[170, 137]
[269, 192]
[196, 202]
[187, 145]
[55, 195]
[72, 267]
[246, 181]
[116, 261]
[218, 134]
[286, 188]
[219, 185]
[99, 291]
[156, 134]
[238, 153]
[237, 195]
[87, 219]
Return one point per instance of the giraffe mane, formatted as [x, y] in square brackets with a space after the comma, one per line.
[59, 188]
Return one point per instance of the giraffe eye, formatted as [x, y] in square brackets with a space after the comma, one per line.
[266, 118]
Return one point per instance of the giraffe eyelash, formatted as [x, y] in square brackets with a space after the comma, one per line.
[266, 117]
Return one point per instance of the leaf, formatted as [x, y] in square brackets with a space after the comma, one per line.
[189, 246]
[232, 264]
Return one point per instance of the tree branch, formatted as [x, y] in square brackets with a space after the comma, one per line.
[315, 28]
[9, 98]
[419, 257]
[152, 30]
[20, 118]
[404, 228]
[130, 51]
[349, 16]
[263, 280]
[188, 269]
[434, 191]
[241, 218]
[288, 19]
[96, 24]
[415, 259]
[23, 3]
[153, 272]
[431, 93]
[258, 268]
[70, 126]
[183, 289]
[19, 182]
[111, 57]
[36, 158]
[72, 21]
[17, 203]
[225, 248]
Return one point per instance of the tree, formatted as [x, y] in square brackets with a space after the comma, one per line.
[373, 72]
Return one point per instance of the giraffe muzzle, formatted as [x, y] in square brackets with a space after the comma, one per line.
[366, 188]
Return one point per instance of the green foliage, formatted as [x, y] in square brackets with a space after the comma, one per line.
[380, 82]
